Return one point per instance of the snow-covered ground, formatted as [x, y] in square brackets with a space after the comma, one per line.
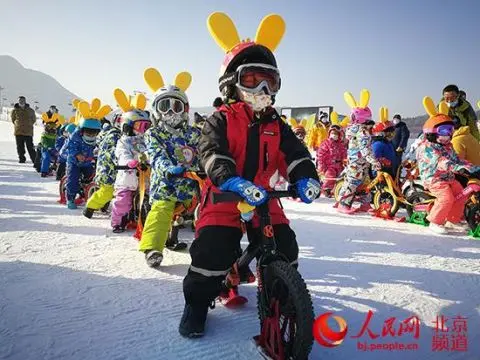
[70, 290]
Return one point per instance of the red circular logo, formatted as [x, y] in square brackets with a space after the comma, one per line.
[324, 335]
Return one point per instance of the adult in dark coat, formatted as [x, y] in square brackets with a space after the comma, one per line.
[23, 118]
[400, 140]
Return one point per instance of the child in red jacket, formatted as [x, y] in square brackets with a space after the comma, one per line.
[244, 147]
[330, 158]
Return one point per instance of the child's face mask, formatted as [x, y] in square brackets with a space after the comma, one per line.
[258, 101]
[444, 140]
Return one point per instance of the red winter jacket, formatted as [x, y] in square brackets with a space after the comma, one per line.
[234, 143]
[331, 154]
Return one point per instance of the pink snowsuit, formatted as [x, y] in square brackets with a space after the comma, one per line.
[330, 156]
[126, 183]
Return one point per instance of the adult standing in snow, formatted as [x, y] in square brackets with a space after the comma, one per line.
[23, 118]
[461, 108]
[401, 136]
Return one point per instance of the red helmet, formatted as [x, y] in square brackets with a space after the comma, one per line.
[382, 127]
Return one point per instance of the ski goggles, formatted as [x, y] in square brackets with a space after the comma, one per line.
[140, 126]
[170, 104]
[445, 130]
[257, 77]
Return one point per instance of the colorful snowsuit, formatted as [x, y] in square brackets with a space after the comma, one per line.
[166, 150]
[126, 183]
[75, 168]
[235, 142]
[438, 164]
[360, 156]
[330, 157]
[105, 174]
[385, 153]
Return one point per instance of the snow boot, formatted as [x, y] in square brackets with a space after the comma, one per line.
[346, 209]
[22, 161]
[457, 227]
[154, 258]
[43, 175]
[438, 229]
[71, 205]
[88, 213]
[192, 324]
[117, 229]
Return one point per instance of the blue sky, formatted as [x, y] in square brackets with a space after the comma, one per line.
[399, 50]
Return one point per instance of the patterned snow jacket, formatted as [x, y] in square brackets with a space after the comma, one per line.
[359, 146]
[166, 149]
[438, 162]
[106, 143]
[77, 146]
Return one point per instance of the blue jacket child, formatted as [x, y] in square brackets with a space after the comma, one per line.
[80, 156]
[385, 153]
[61, 148]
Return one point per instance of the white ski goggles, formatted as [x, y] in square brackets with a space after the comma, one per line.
[257, 77]
[170, 104]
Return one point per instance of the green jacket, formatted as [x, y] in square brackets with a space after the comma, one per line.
[48, 140]
[464, 111]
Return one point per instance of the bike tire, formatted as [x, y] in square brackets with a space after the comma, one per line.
[298, 297]
[473, 216]
[415, 198]
[336, 190]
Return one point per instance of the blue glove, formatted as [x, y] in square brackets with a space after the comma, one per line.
[308, 189]
[254, 195]
[175, 170]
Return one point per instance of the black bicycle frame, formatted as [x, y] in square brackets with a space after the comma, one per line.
[267, 246]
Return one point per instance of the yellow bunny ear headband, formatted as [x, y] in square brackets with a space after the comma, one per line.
[269, 35]
[436, 117]
[361, 113]
[55, 118]
[383, 115]
[137, 102]
[93, 110]
[334, 119]
[155, 82]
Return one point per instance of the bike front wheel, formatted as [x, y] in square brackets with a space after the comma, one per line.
[286, 312]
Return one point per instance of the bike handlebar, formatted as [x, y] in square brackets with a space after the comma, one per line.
[126, 167]
[229, 196]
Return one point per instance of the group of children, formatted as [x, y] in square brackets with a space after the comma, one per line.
[367, 147]
[243, 148]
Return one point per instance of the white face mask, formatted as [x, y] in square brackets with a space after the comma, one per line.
[396, 121]
[259, 101]
[174, 120]
[444, 140]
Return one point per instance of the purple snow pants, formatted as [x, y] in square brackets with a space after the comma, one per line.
[121, 205]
